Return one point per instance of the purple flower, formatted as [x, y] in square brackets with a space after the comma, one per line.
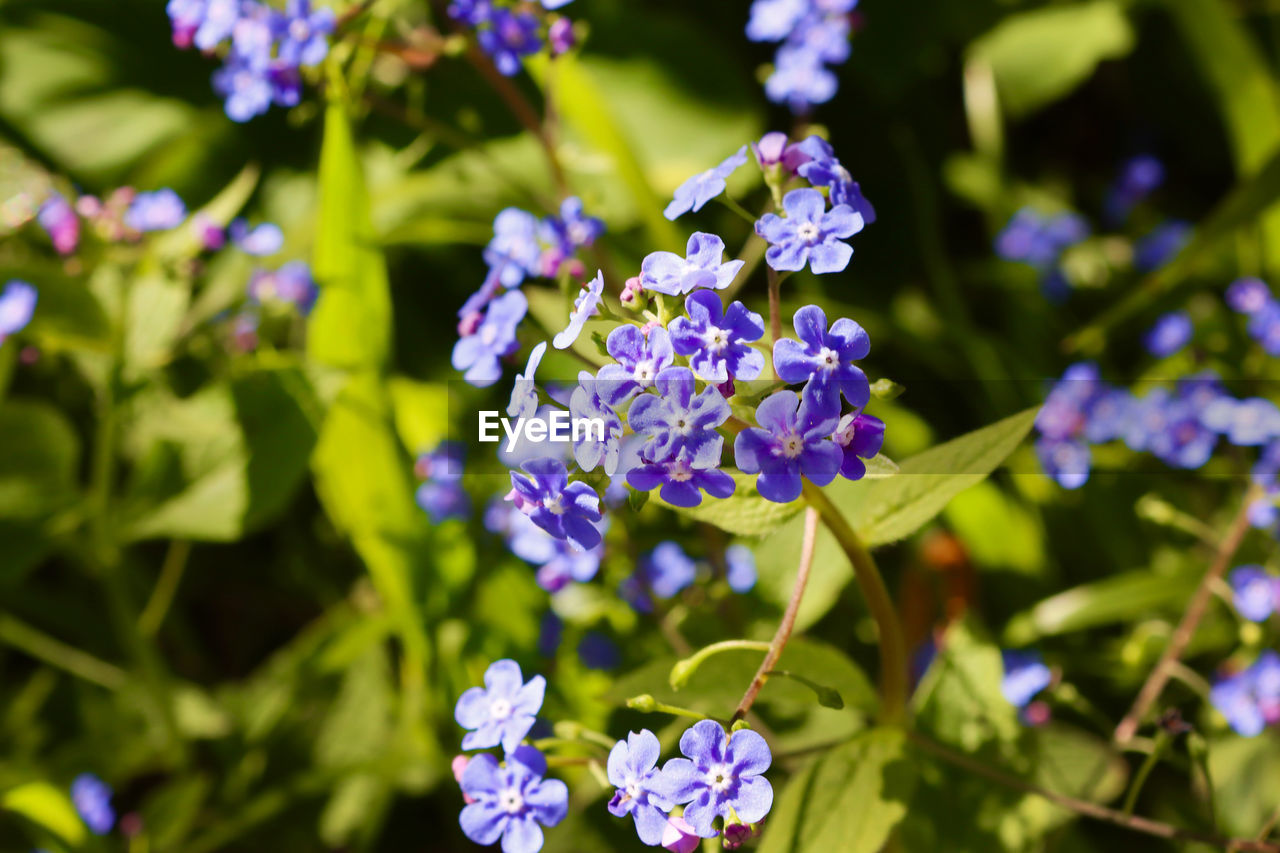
[1264, 327]
[821, 168]
[810, 234]
[441, 494]
[1250, 700]
[740, 568]
[260, 241]
[59, 221]
[566, 233]
[1248, 295]
[524, 395]
[774, 20]
[1245, 423]
[509, 801]
[92, 799]
[473, 12]
[17, 305]
[717, 341]
[501, 712]
[770, 149]
[292, 285]
[1025, 675]
[1161, 246]
[666, 570]
[1138, 178]
[155, 211]
[704, 186]
[1066, 460]
[632, 769]
[304, 34]
[720, 776]
[1257, 593]
[592, 447]
[678, 420]
[1066, 410]
[597, 651]
[561, 37]
[703, 266]
[247, 87]
[217, 24]
[585, 306]
[1032, 238]
[826, 357]
[514, 251]
[682, 479]
[185, 16]
[799, 79]
[479, 354]
[679, 836]
[861, 436]
[558, 562]
[509, 37]
[563, 509]
[1172, 429]
[640, 360]
[794, 442]
[1170, 333]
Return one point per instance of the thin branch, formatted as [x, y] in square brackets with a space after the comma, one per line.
[783, 634]
[171, 571]
[1183, 634]
[58, 654]
[1085, 808]
[775, 309]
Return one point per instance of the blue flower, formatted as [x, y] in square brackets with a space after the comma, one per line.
[479, 354]
[716, 341]
[810, 234]
[509, 37]
[585, 306]
[156, 211]
[58, 219]
[514, 251]
[861, 436]
[17, 305]
[290, 285]
[632, 770]
[185, 16]
[1067, 409]
[704, 186]
[679, 420]
[1256, 592]
[774, 20]
[721, 776]
[524, 395]
[1170, 333]
[590, 446]
[260, 241]
[825, 357]
[1161, 246]
[640, 360]
[1248, 295]
[566, 233]
[740, 568]
[1025, 675]
[92, 799]
[247, 87]
[682, 479]
[217, 24]
[1264, 327]
[304, 34]
[559, 562]
[501, 712]
[1138, 178]
[1244, 423]
[815, 161]
[1171, 428]
[1108, 414]
[511, 802]
[441, 494]
[799, 79]
[473, 12]
[563, 509]
[1033, 238]
[597, 651]
[1250, 700]
[703, 266]
[667, 569]
[1066, 460]
[795, 441]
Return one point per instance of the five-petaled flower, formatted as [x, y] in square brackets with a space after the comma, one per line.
[704, 186]
[563, 509]
[640, 359]
[717, 341]
[501, 712]
[826, 357]
[795, 441]
[720, 776]
[678, 419]
[480, 353]
[632, 769]
[861, 435]
[702, 266]
[511, 801]
[682, 479]
[810, 234]
[1256, 592]
[590, 446]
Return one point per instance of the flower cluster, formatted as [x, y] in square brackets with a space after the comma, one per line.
[265, 49]
[441, 493]
[124, 216]
[523, 246]
[509, 33]
[720, 776]
[1250, 699]
[507, 800]
[813, 35]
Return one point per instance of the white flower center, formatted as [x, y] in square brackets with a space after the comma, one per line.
[644, 372]
[719, 778]
[792, 445]
[488, 334]
[510, 801]
[809, 232]
[842, 174]
[680, 472]
[828, 358]
[716, 338]
[633, 791]
[500, 709]
[554, 505]
[577, 233]
[299, 29]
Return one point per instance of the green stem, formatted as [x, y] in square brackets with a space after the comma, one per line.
[646, 704]
[684, 669]
[58, 654]
[893, 646]
[1140, 778]
[728, 202]
[175, 564]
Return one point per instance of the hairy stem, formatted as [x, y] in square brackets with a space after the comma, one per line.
[1183, 634]
[1085, 808]
[893, 645]
[775, 309]
[788, 623]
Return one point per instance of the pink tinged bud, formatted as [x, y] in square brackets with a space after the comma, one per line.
[459, 766]
[575, 267]
[793, 158]
[631, 293]
[561, 36]
[1036, 714]
[183, 36]
[521, 502]
[29, 355]
[131, 825]
[770, 148]
[726, 388]
[89, 206]
[679, 836]
[467, 325]
[649, 327]
[211, 236]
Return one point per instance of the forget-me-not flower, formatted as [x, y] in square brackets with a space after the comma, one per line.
[704, 186]
[509, 38]
[826, 357]
[678, 419]
[717, 341]
[563, 509]
[740, 568]
[792, 441]
[810, 234]
[702, 266]
[721, 776]
[503, 711]
[590, 447]
[1170, 333]
[511, 801]
[640, 358]
[155, 211]
[480, 353]
[861, 436]
[1250, 700]
[304, 33]
[1256, 592]
[632, 770]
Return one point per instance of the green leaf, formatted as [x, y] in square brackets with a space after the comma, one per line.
[1041, 55]
[850, 799]
[153, 320]
[998, 531]
[1246, 780]
[959, 699]
[884, 511]
[39, 459]
[47, 807]
[421, 411]
[351, 324]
